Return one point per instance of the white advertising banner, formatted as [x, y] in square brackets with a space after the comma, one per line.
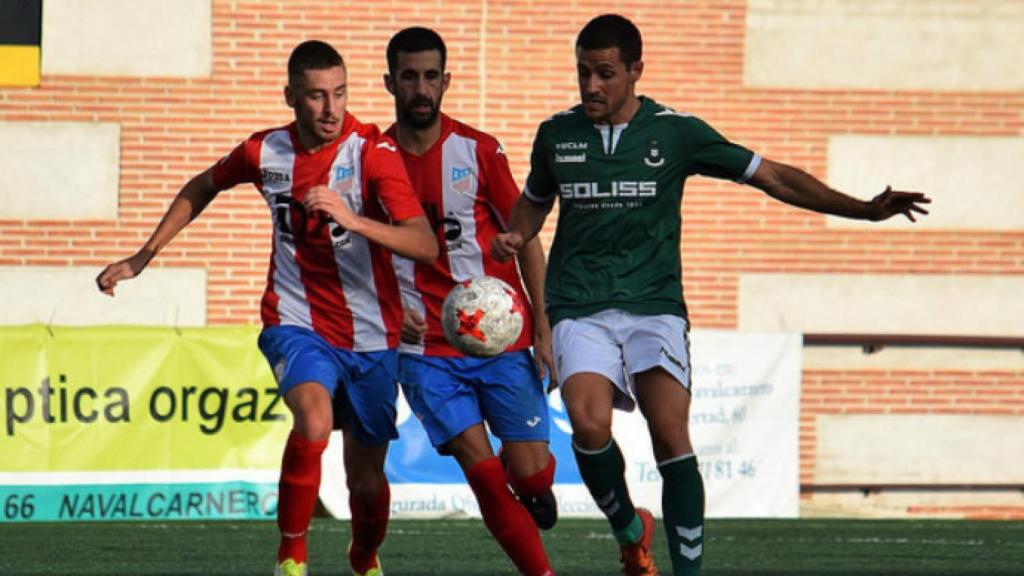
[744, 423]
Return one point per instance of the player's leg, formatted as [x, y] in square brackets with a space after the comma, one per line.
[665, 404]
[592, 382]
[365, 411]
[514, 402]
[530, 468]
[450, 414]
[505, 517]
[662, 390]
[369, 500]
[306, 373]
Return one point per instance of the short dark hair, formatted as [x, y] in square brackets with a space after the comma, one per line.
[415, 39]
[612, 31]
[312, 55]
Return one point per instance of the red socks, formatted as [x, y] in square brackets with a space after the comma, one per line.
[535, 484]
[506, 518]
[369, 525]
[297, 494]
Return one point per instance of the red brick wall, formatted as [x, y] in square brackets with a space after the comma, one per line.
[963, 392]
[513, 66]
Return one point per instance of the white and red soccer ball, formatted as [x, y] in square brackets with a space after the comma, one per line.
[482, 316]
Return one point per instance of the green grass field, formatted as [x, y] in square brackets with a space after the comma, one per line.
[463, 547]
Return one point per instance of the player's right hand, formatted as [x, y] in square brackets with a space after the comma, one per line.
[506, 245]
[122, 270]
[413, 326]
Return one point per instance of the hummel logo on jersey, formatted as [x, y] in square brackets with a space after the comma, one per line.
[272, 176]
[532, 422]
[386, 146]
[654, 159]
[570, 158]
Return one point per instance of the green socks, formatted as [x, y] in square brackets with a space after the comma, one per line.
[682, 505]
[603, 471]
[682, 502]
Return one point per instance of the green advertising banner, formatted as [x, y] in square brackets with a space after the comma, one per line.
[115, 423]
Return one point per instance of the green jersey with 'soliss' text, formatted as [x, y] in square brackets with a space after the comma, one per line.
[620, 190]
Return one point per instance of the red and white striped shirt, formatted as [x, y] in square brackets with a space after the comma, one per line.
[467, 190]
[321, 276]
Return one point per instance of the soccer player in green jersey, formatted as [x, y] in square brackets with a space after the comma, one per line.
[617, 163]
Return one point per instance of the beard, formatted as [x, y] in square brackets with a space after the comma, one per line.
[419, 121]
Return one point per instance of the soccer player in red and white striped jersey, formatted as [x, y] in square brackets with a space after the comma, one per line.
[340, 202]
[464, 183]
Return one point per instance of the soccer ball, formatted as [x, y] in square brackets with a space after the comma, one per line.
[482, 316]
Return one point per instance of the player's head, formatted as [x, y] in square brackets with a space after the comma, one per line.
[317, 91]
[416, 76]
[609, 62]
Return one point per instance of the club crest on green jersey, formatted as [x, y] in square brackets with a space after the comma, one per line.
[653, 158]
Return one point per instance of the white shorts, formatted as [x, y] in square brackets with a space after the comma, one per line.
[619, 345]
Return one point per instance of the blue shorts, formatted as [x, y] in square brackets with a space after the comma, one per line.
[451, 394]
[364, 403]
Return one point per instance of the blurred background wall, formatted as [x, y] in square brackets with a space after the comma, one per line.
[136, 96]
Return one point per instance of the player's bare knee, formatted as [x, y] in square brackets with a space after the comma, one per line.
[526, 458]
[310, 404]
[669, 438]
[467, 452]
[591, 434]
[470, 447]
[364, 483]
[590, 421]
[313, 424]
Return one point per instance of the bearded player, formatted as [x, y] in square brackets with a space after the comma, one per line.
[464, 183]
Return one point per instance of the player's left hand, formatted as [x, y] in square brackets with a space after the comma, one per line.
[413, 326]
[326, 201]
[892, 202]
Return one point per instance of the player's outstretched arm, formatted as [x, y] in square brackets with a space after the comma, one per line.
[525, 223]
[187, 205]
[794, 186]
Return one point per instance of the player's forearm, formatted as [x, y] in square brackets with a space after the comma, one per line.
[532, 268]
[798, 188]
[411, 238]
[528, 217]
[193, 198]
